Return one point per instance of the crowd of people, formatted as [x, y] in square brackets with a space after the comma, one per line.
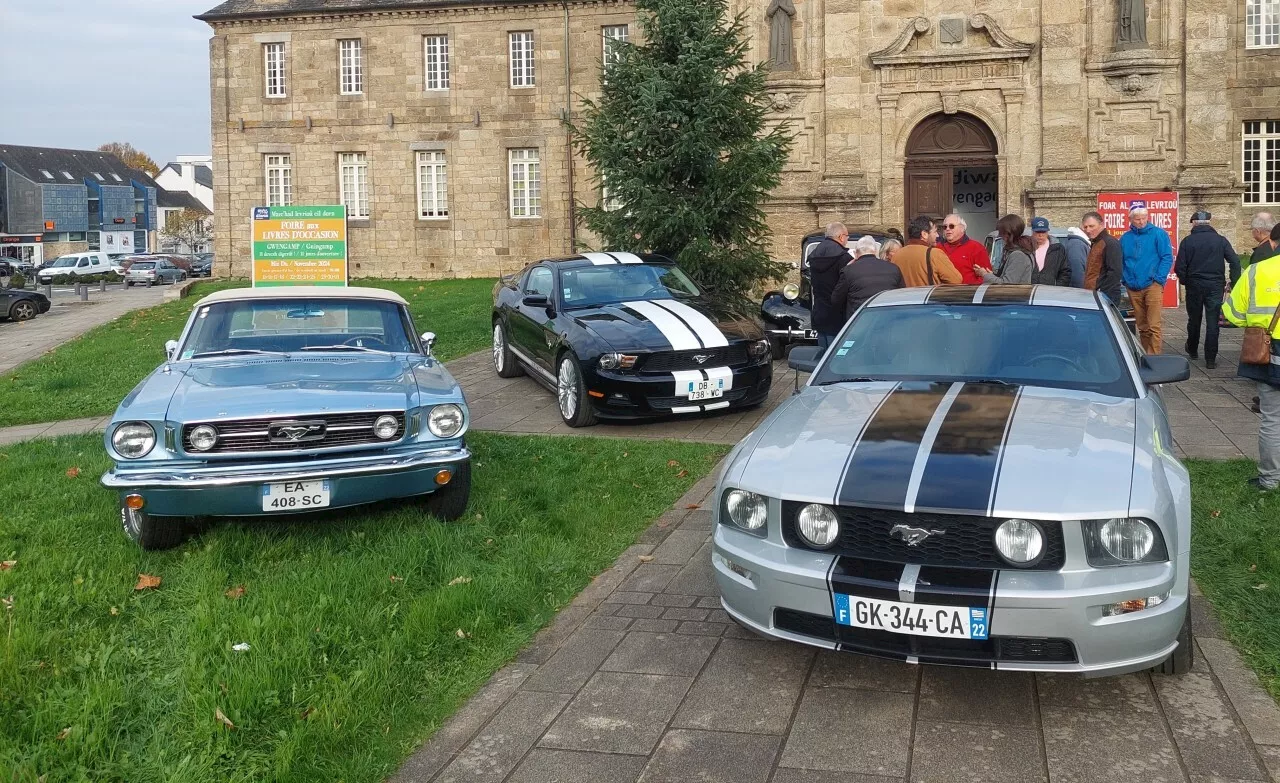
[1087, 256]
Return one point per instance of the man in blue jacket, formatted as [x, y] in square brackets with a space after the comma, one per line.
[1148, 257]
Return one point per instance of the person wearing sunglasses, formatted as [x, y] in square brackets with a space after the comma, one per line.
[965, 253]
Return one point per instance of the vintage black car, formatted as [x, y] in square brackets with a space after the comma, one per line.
[19, 305]
[627, 336]
[785, 311]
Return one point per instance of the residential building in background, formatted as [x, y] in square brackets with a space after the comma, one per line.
[439, 123]
[190, 174]
[56, 201]
[173, 207]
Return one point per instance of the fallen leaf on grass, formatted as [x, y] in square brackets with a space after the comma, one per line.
[637, 486]
[306, 713]
[147, 582]
[1253, 568]
[1215, 513]
[672, 463]
[241, 647]
[395, 578]
[462, 634]
[8, 564]
[459, 580]
[115, 611]
[235, 592]
[682, 474]
[645, 558]
[7, 602]
[1262, 586]
[64, 733]
[73, 472]
[222, 686]
[223, 719]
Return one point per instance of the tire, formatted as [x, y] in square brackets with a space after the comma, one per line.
[450, 501]
[153, 533]
[1181, 660]
[23, 310]
[571, 393]
[504, 362]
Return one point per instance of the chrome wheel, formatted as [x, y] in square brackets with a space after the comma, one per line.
[23, 311]
[567, 389]
[499, 348]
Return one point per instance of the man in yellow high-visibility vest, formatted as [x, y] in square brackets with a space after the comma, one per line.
[1253, 302]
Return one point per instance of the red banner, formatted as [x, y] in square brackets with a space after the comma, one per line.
[1162, 208]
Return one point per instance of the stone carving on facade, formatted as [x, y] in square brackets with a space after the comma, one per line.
[1130, 131]
[782, 102]
[1001, 62]
[781, 39]
[951, 31]
[1131, 24]
[950, 102]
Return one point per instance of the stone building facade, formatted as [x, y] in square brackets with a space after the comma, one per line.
[898, 107]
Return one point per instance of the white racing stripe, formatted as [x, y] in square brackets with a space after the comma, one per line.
[707, 331]
[721, 373]
[672, 328]
[691, 409]
[627, 258]
[685, 377]
[600, 259]
[715, 405]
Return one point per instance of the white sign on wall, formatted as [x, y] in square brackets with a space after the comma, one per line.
[117, 242]
[973, 197]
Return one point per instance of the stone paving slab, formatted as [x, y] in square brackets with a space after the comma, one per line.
[658, 684]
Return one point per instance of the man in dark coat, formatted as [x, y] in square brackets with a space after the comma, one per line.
[1261, 227]
[867, 276]
[1201, 266]
[1052, 266]
[826, 260]
[1105, 264]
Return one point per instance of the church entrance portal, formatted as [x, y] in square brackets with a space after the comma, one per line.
[951, 167]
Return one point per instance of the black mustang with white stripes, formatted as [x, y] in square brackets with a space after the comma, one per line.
[620, 335]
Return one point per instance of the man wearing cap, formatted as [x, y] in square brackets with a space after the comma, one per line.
[1052, 267]
[1201, 266]
[1148, 257]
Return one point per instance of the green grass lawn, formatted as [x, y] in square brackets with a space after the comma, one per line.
[1235, 558]
[89, 376]
[366, 628]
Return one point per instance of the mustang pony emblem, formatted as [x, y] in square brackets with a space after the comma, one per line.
[700, 358]
[295, 431]
[914, 536]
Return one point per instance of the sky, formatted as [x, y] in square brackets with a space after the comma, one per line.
[81, 73]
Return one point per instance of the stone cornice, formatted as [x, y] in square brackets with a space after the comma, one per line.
[451, 7]
[1006, 47]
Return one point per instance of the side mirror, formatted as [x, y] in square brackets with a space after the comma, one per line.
[428, 340]
[1161, 368]
[170, 349]
[804, 358]
[535, 300]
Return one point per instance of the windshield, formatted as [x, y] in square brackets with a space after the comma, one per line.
[300, 325]
[143, 265]
[1055, 347]
[66, 261]
[596, 285]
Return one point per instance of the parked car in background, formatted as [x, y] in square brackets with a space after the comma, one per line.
[626, 336]
[17, 304]
[75, 265]
[202, 265]
[786, 311]
[154, 271]
[283, 400]
[973, 476]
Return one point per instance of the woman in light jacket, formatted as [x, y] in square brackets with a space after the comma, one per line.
[1016, 266]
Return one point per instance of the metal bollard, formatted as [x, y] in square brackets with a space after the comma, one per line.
[149, 282]
[102, 284]
[48, 290]
[84, 292]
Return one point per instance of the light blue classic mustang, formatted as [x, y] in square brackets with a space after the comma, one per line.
[288, 399]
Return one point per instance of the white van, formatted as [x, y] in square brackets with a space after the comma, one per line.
[75, 265]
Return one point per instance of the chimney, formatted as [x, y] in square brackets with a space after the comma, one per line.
[189, 176]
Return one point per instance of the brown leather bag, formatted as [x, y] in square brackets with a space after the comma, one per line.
[1256, 348]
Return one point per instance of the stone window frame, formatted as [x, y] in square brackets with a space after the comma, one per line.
[1264, 138]
[355, 216]
[282, 77]
[606, 38]
[1261, 14]
[353, 87]
[439, 163]
[526, 57]
[445, 60]
[532, 196]
[285, 168]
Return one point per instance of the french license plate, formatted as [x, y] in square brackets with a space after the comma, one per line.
[706, 390]
[949, 622]
[295, 495]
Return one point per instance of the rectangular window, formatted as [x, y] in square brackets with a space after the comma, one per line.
[612, 35]
[1261, 162]
[526, 183]
[279, 180]
[522, 59]
[1261, 24]
[351, 66]
[433, 186]
[274, 54]
[353, 174]
[608, 201]
[436, 48]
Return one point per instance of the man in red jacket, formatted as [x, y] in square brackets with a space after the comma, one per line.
[963, 251]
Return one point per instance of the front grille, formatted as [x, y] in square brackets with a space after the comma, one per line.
[667, 403]
[927, 649]
[251, 435]
[968, 541]
[673, 361]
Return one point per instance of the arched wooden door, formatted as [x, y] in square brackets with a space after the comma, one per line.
[946, 153]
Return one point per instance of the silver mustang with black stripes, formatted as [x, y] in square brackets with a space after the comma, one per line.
[626, 336]
[971, 476]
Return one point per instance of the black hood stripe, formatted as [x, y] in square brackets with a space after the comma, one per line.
[962, 468]
[878, 473]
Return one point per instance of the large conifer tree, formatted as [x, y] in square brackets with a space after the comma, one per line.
[679, 139]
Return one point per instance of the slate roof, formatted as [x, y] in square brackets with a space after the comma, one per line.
[249, 9]
[179, 199]
[82, 165]
[203, 174]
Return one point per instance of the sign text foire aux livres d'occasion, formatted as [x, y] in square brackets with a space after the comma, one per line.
[299, 245]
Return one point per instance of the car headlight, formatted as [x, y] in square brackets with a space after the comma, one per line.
[445, 421]
[818, 525]
[747, 510]
[759, 349]
[1123, 540]
[203, 438]
[614, 361]
[385, 427]
[133, 439]
[791, 291]
[1020, 541]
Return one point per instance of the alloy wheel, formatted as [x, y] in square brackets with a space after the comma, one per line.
[499, 348]
[567, 389]
[23, 311]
